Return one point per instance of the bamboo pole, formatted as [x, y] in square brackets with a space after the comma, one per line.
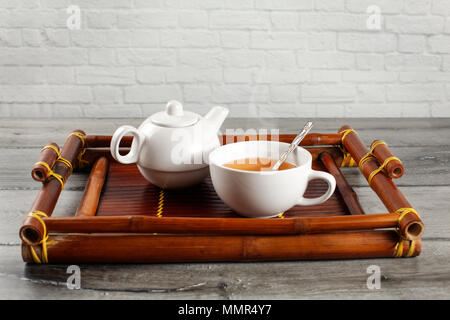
[225, 226]
[48, 155]
[32, 231]
[147, 248]
[312, 139]
[410, 226]
[394, 168]
[98, 146]
[346, 191]
[92, 154]
[89, 201]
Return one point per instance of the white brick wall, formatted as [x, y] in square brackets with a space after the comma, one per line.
[261, 58]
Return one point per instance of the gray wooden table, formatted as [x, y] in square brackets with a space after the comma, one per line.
[422, 144]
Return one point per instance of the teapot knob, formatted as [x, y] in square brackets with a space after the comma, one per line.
[174, 108]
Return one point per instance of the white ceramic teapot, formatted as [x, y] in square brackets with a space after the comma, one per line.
[171, 147]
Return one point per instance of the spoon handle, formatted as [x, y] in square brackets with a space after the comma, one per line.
[293, 145]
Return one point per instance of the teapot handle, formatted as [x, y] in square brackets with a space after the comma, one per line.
[133, 155]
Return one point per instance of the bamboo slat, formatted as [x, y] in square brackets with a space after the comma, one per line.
[349, 196]
[149, 248]
[89, 202]
[312, 139]
[224, 226]
[92, 154]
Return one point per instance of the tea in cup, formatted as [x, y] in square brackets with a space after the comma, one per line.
[257, 164]
[242, 177]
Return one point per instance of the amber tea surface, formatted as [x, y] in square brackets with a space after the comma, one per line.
[257, 164]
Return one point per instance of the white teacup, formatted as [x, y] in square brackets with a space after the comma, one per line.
[265, 194]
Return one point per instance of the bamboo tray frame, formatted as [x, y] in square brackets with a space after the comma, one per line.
[87, 238]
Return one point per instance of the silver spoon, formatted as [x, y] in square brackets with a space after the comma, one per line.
[293, 145]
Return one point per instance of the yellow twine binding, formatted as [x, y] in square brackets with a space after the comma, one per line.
[59, 158]
[50, 146]
[66, 162]
[39, 215]
[79, 135]
[385, 163]
[159, 211]
[345, 133]
[412, 247]
[364, 159]
[81, 162]
[352, 162]
[399, 249]
[51, 173]
[370, 156]
[398, 253]
[404, 211]
[381, 168]
[347, 160]
[376, 144]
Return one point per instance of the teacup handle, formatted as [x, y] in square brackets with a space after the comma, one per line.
[133, 155]
[331, 186]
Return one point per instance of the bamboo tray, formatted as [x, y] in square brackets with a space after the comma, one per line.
[122, 218]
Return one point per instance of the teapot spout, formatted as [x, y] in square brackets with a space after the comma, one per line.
[214, 118]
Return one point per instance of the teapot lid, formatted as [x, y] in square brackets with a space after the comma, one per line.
[174, 116]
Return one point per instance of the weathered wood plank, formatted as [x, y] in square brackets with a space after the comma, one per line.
[424, 277]
[397, 132]
[431, 202]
